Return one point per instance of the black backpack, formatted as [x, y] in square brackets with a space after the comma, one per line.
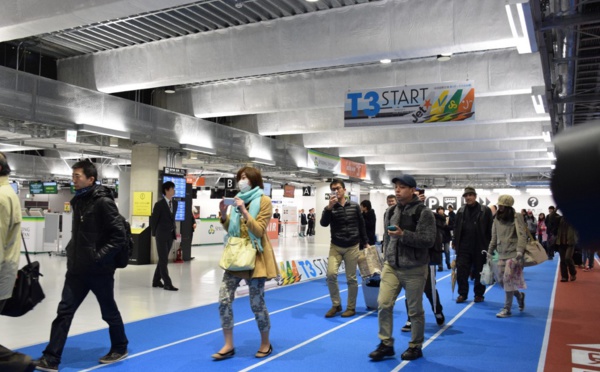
[123, 256]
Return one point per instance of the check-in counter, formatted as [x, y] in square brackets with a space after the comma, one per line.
[208, 231]
[33, 232]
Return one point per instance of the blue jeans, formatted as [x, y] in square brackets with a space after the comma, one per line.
[588, 255]
[74, 292]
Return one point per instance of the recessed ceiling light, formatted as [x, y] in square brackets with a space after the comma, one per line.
[386, 60]
[312, 1]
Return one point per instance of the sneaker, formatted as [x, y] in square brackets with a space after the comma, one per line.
[521, 301]
[478, 299]
[334, 310]
[113, 357]
[412, 353]
[382, 351]
[440, 318]
[407, 327]
[461, 299]
[43, 364]
[348, 313]
[586, 269]
[573, 278]
[504, 313]
[564, 280]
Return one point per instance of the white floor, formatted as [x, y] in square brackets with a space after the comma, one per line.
[198, 282]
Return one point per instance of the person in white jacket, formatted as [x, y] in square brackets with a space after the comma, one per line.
[509, 239]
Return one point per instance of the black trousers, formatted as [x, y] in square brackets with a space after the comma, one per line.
[163, 247]
[76, 288]
[567, 265]
[469, 263]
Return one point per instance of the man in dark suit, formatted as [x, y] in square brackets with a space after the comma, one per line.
[163, 227]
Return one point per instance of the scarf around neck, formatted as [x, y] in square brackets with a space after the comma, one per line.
[253, 197]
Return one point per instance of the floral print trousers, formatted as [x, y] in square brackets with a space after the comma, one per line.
[257, 301]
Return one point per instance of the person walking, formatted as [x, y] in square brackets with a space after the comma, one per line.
[566, 239]
[10, 251]
[370, 220]
[249, 218]
[509, 238]
[163, 227]
[348, 236]
[311, 222]
[542, 235]
[97, 236]
[472, 235]
[303, 223]
[412, 234]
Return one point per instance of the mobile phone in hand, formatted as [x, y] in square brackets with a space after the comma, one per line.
[229, 201]
[392, 228]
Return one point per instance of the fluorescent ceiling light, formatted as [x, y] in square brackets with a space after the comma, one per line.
[546, 137]
[114, 142]
[342, 176]
[538, 96]
[309, 170]
[444, 57]
[170, 89]
[386, 61]
[103, 131]
[368, 182]
[204, 150]
[263, 161]
[520, 21]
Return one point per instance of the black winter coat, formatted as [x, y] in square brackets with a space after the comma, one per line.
[97, 234]
[347, 225]
[370, 225]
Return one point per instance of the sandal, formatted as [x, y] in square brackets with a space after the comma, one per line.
[223, 356]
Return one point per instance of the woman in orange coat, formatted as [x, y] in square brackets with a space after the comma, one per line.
[248, 218]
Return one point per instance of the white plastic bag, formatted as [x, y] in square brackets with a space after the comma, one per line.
[487, 275]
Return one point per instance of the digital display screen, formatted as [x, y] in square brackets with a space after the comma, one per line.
[36, 188]
[180, 213]
[15, 187]
[288, 191]
[267, 189]
[50, 188]
[179, 185]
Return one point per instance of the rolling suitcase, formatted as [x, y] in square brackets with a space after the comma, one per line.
[370, 293]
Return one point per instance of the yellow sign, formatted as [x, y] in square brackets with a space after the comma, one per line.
[142, 203]
[67, 207]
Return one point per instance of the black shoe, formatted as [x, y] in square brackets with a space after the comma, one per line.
[263, 354]
[440, 318]
[412, 353]
[157, 285]
[478, 299]
[564, 280]
[382, 351]
[113, 357]
[573, 278]
[521, 301]
[407, 326]
[222, 356]
[440, 268]
[170, 288]
[461, 299]
[42, 364]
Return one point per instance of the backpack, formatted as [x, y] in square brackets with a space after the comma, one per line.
[435, 252]
[123, 256]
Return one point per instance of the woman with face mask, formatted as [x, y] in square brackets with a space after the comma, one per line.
[248, 217]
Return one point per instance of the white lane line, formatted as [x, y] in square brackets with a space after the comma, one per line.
[209, 332]
[442, 330]
[250, 320]
[542, 361]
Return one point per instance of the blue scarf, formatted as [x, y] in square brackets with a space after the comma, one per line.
[253, 197]
[83, 191]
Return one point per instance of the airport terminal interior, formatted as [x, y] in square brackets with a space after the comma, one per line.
[456, 93]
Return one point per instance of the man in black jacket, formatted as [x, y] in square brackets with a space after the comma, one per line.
[163, 227]
[97, 236]
[472, 235]
[348, 235]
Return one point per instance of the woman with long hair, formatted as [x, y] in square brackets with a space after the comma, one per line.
[248, 217]
[542, 235]
[509, 239]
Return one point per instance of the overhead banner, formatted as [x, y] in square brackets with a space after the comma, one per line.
[324, 161]
[427, 103]
[353, 169]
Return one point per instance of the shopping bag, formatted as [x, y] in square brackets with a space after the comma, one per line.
[487, 275]
[534, 254]
[27, 291]
[239, 255]
[369, 262]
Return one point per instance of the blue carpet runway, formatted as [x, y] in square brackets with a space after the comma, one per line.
[472, 339]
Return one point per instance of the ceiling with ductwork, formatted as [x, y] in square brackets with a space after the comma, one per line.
[270, 77]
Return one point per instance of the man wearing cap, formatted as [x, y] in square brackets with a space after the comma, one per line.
[348, 236]
[406, 266]
[472, 235]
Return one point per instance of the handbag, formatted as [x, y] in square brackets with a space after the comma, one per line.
[535, 253]
[27, 291]
[239, 255]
